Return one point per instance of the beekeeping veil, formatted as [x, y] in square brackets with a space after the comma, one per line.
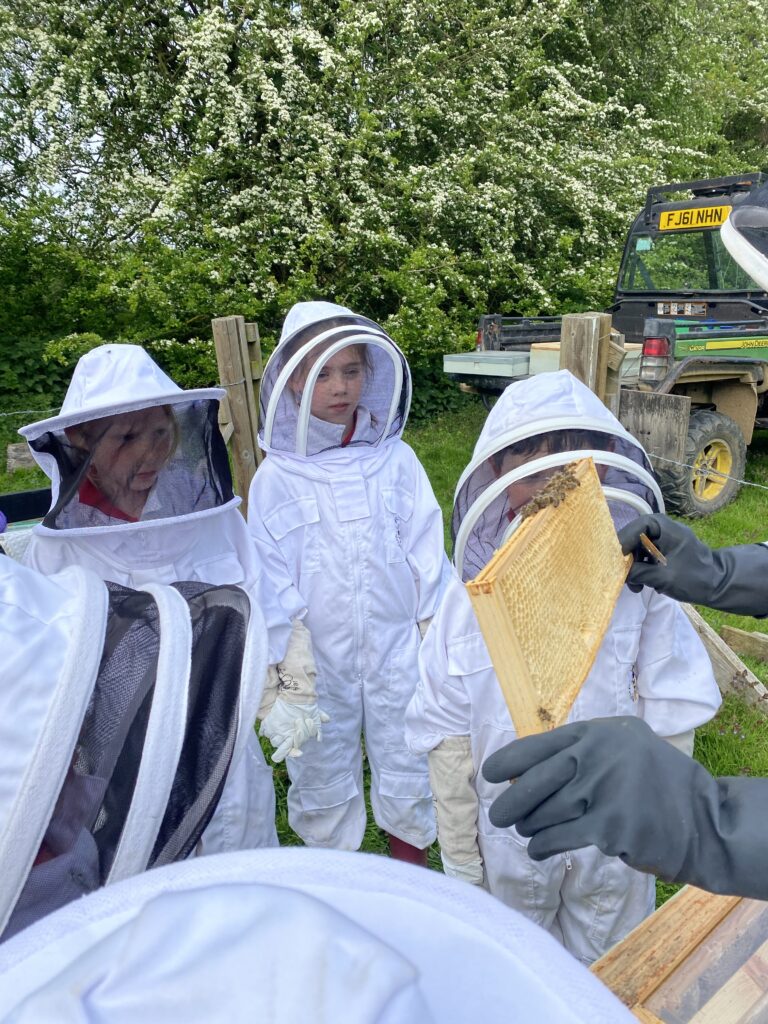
[312, 335]
[127, 436]
[537, 426]
[120, 714]
[745, 235]
[295, 935]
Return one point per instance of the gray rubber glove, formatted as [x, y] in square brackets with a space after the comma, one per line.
[614, 784]
[730, 579]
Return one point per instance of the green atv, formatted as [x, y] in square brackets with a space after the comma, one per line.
[694, 382]
[704, 325]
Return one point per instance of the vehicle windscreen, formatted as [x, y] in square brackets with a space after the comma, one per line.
[682, 262]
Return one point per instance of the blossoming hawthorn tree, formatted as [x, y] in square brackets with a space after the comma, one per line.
[421, 160]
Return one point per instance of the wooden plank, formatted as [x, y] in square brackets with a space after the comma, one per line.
[758, 1014]
[616, 350]
[637, 965]
[254, 350]
[736, 999]
[731, 673]
[645, 1016]
[232, 360]
[18, 456]
[753, 645]
[615, 358]
[659, 422]
[716, 959]
[584, 343]
[248, 382]
[254, 363]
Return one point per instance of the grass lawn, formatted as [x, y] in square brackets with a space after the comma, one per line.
[735, 742]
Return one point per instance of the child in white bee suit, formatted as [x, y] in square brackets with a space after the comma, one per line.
[349, 531]
[651, 664]
[120, 716]
[142, 493]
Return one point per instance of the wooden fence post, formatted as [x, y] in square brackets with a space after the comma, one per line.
[585, 340]
[238, 356]
[616, 353]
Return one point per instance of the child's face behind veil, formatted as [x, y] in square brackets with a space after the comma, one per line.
[337, 390]
[128, 451]
[522, 491]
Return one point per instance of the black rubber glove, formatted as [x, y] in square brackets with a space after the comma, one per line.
[731, 579]
[614, 784]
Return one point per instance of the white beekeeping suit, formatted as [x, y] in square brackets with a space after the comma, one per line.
[142, 492]
[350, 534]
[120, 721]
[295, 935]
[651, 664]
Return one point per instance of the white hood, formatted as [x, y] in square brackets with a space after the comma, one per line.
[112, 379]
[537, 426]
[51, 634]
[293, 935]
[313, 333]
[119, 389]
[745, 235]
[121, 712]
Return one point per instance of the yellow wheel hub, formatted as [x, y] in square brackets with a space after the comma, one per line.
[710, 469]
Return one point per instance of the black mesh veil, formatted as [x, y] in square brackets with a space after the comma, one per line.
[219, 624]
[88, 822]
[493, 491]
[146, 464]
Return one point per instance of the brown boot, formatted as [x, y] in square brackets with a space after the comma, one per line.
[404, 851]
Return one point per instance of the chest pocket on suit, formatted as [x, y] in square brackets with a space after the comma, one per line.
[295, 527]
[398, 510]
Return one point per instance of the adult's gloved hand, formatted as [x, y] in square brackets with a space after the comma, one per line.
[289, 726]
[614, 784]
[732, 579]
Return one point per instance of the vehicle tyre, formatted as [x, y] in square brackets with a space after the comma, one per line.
[715, 456]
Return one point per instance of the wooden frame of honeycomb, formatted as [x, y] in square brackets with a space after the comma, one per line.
[546, 597]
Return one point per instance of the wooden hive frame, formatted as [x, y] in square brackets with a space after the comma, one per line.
[699, 959]
[546, 597]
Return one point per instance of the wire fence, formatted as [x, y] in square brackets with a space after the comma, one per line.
[710, 472]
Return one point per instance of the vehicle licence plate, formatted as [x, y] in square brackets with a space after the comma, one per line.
[694, 217]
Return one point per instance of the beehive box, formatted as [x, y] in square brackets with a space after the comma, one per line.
[546, 597]
[699, 959]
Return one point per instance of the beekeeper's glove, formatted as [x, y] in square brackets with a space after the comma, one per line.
[614, 784]
[471, 872]
[731, 579]
[289, 713]
[451, 774]
[289, 726]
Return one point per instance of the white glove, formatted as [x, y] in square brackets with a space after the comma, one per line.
[289, 726]
[451, 775]
[294, 678]
[471, 872]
